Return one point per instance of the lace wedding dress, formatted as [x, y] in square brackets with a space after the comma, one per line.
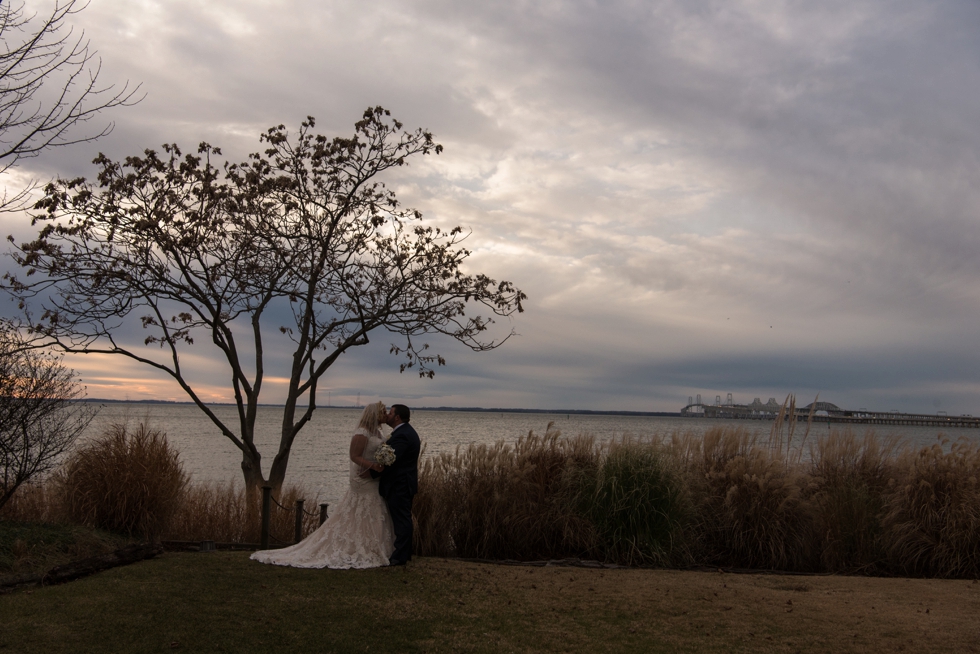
[357, 535]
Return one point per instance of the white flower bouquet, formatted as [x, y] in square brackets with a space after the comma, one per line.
[385, 455]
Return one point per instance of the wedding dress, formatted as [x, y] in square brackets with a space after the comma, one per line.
[358, 534]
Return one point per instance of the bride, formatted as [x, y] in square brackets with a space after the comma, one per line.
[359, 533]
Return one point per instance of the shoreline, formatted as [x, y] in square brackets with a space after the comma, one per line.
[584, 412]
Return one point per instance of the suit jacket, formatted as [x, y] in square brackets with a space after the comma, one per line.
[402, 476]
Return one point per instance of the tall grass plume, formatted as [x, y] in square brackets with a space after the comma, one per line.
[844, 502]
[126, 480]
[220, 512]
[931, 520]
[503, 502]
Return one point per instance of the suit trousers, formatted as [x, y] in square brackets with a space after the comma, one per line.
[399, 502]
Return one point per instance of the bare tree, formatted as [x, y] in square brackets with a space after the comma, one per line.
[40, 416]
[49, 84]
[301, 234]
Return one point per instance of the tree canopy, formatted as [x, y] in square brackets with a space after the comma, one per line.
[198, 250]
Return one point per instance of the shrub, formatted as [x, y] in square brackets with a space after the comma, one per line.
[637, 501]
[124, 481]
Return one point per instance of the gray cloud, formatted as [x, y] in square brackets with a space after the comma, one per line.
[747, 197]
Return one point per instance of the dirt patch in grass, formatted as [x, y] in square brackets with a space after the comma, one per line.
[225, 602]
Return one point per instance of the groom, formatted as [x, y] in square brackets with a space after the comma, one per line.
[399, 482]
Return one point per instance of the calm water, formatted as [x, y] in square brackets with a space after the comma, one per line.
[319, 457]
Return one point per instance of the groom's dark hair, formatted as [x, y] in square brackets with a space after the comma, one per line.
[402, 412]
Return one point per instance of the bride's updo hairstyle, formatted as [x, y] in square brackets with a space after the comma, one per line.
[372, 417]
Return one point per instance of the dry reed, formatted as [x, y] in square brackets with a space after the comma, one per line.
[131, 481]
[751, 502]
[840, 503]
[219, 512]
[36, 501]
[854, 504]
[849, 478]
[208, 511]
[504, 502]
[126, 481]
[931, 521]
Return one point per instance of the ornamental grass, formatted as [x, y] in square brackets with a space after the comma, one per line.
[637, 501]
[505, 501]
[931, 516]
[127, 481]
[221, 512]
[840, 503]
[752, 503]
[849, 477]
[131, 481]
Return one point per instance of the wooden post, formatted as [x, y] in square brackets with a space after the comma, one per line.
[299, 521]
[323, 512]
[266, 507]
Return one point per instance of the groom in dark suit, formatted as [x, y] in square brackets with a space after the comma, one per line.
[399, 482]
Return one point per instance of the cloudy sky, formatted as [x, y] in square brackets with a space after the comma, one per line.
[744, 196]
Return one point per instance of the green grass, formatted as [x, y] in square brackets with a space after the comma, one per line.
[217, 603]
[28, 549]
[223, 602]
[637, 502]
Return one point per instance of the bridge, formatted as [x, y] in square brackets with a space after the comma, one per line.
[823, 412]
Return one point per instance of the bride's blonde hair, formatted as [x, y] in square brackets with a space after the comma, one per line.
[371, 419]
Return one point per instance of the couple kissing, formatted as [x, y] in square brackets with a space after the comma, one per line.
[372, 525]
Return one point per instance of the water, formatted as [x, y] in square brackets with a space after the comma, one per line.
[319, 458]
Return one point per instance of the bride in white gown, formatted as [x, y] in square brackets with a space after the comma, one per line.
[359, 533]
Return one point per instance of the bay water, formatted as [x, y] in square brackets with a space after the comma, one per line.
[319, 458]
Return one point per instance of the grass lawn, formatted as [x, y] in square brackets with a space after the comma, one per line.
[222, 602]
[30, 549]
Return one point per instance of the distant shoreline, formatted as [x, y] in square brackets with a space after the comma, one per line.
[468, 409]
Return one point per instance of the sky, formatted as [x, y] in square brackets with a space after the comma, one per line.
[745, 196]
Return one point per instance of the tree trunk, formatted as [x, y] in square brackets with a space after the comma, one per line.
[252, 470]
[277, 475]
[254, 481]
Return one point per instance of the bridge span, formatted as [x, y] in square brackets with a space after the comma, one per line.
[826, 412]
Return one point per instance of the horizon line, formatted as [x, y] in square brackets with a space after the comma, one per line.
[474, 409]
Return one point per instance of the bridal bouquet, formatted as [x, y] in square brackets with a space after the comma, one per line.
[385, 455]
